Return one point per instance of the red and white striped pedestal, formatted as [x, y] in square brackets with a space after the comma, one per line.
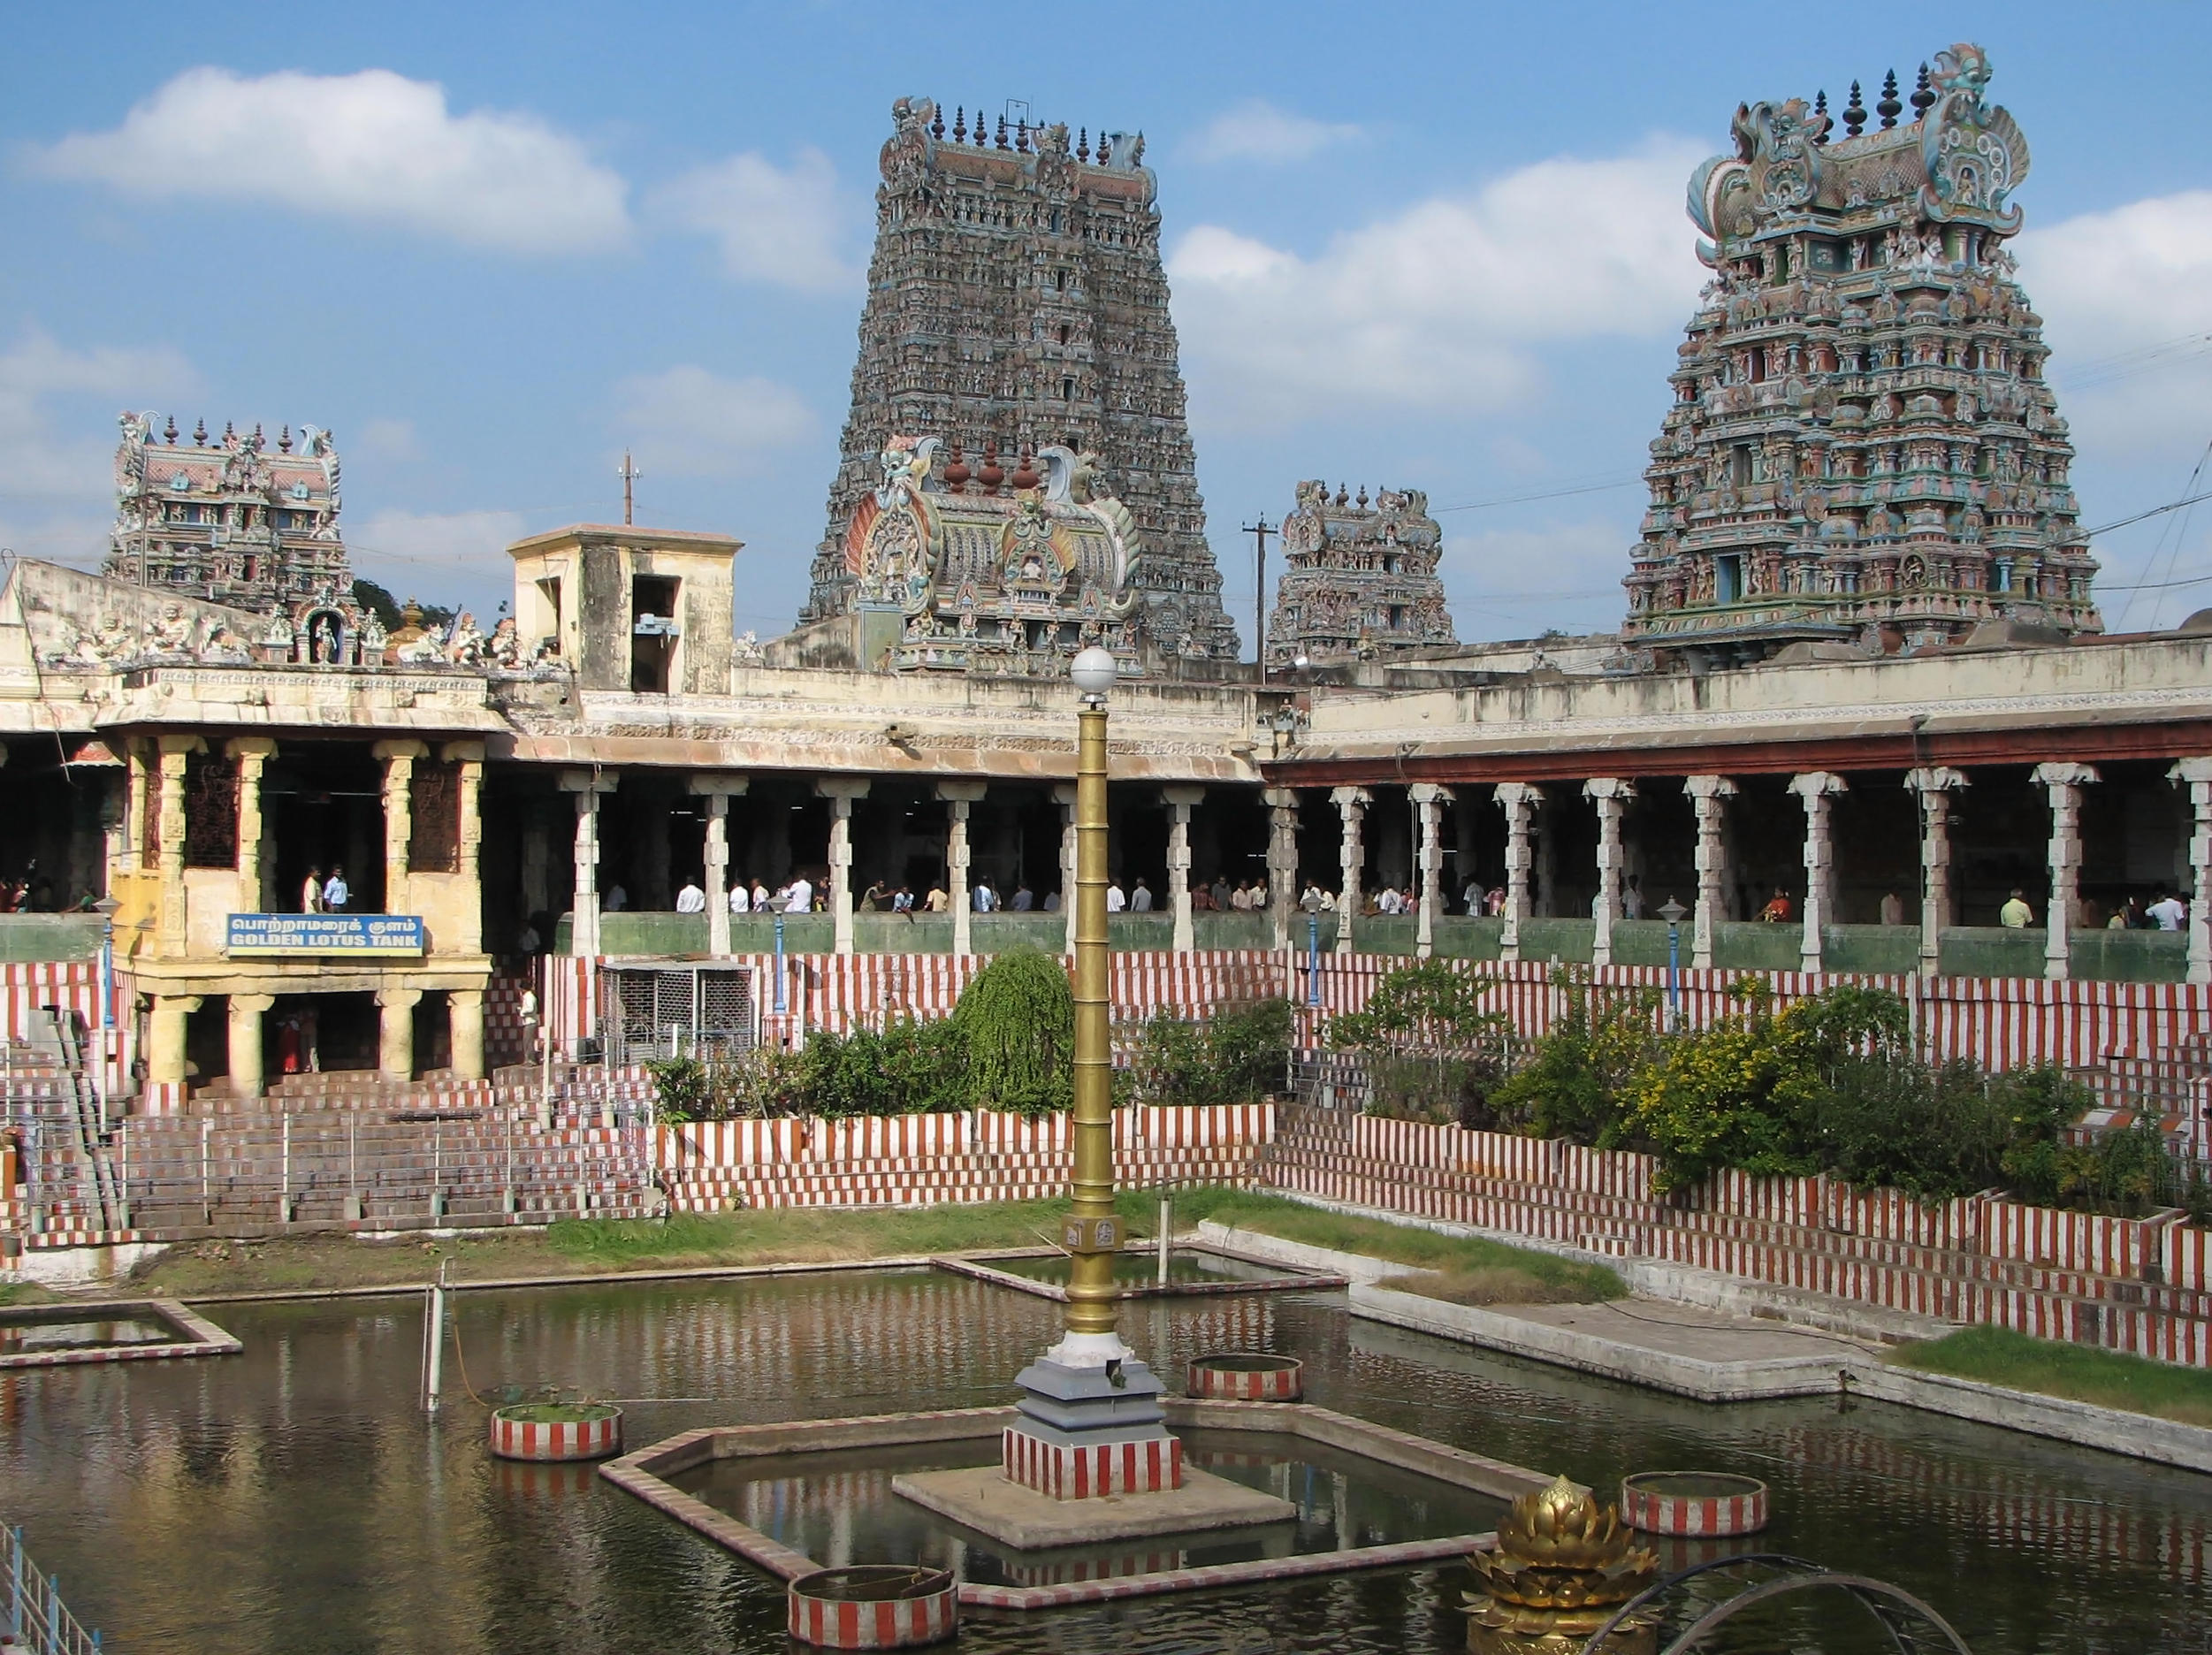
[1129, 1465]
[535, 1431]
[873, 1605]
[1701, 1505]
[1246, 1377]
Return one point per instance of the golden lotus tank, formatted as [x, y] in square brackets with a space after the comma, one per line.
[1563, 1567]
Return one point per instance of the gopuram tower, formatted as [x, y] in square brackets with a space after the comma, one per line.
[1016, 477]
[1863, 449]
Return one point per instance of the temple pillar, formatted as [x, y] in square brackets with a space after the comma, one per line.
[1611, 795]
[2064, 782]
[395, 1034]
[1180, 801]
[2196, 775]
[1934, 784]
[467, 757]
[1708, 797]
[1429, 801]
[398, 817]
[960, 797]
[464, 1009]
[1063, 796]
[176, 752]
[137, 784]
[717, 790]
[1351, 802]
[251, 754]
[1520, 802]
[246, 1012]
[165, 1038]
[1282, 861]
[1816, 787]
[840, 791]
[583, 924]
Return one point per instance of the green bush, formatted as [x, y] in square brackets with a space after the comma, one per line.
[1015, 1026]
[1433, 1051]
[1578, 1072]
[1236, 1056]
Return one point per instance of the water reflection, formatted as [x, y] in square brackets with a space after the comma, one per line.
[293, 1499]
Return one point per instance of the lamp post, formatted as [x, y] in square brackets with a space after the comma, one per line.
[1672, 911]
[1092, 1234]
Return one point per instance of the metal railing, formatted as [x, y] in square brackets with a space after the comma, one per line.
[36, 1617]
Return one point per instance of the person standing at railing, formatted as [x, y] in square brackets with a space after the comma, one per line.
[690, 899]
[311, 892]
[336, 892]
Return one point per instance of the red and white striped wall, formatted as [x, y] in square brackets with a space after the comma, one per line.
[847, 1623]
[557, 1440]
[29, 986]
[1141, 1466]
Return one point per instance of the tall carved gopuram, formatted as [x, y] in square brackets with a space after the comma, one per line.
[1017, 304]
[1360, 578]
[1863, 448]
[234, 520]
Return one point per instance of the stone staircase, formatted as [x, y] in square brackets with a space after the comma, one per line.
[2172, 1085]
[1834, 1246]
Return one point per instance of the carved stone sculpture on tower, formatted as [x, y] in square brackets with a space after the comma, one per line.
[1360, 580]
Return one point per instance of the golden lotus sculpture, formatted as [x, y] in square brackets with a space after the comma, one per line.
[1563, 1565]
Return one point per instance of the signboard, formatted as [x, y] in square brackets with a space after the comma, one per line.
[324, 934]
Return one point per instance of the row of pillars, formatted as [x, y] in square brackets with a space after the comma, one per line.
[1709, 794]
[589, 787]
[395, 1036]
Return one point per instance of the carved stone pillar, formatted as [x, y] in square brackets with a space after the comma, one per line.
[1816, 787]
[1282, 861]
[1351, 802]
[1180, 802]
[960, 797]
[251, 754]
[1063, 796]
[395, 1034]
[1520, 802]
[2064, 782]
[175, 754]
[165, 1038]
[247, 1010]
[137, 784]
[1611, 795]
[583, 924]
[465, 1014]
[841, 792]
[1934, 784]
[1429, 801]
[2196, 775]
[467, 934]
[1708, 797]
[398, 817]
[717, 790]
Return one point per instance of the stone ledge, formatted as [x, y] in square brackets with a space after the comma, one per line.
[982, 1499]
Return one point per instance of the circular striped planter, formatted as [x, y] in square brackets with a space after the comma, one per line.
[873, 1605]
[1246, 1377]
[556, 1432]
[1699, 1505]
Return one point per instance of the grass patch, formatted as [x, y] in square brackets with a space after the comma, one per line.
[1501, 1285]
[1470, 1262]
[2081, 1373]
[23, 1294]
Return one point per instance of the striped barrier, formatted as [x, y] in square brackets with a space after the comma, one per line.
[1246, 1377]
[1064, 1471]
[855, 1607]
[523, 1432]
[1693, 1504]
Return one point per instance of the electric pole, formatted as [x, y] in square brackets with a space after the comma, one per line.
[630, 474]
[1259, 531]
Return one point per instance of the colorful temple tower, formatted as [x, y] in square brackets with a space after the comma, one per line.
[1863, 449]
[234, 520]
[1360, 578]
[1017, 306]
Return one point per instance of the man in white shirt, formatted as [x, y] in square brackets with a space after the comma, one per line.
[740, 899]
[1312, 900]
[984, 898]
[1115, 901]
[1140, 898]
[311, 892]
[2170, 911]
[336, 892]
[1471, 898]
[760, 897]
[690, 899]
[1391, 902]
[801, 897]
[1241, 899]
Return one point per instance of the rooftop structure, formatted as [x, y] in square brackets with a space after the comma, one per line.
[1360, 579]
[235, 520]
[1863, 449]
[1017, 304]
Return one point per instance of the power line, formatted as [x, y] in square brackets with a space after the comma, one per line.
[1518, 499]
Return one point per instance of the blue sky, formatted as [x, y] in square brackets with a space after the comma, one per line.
[1439, 247]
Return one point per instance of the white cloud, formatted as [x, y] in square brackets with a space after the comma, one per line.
[421, 553]
[785, 226]
[1443, 305]
[371, 146]
[2126, 296]
[687, 422]
[389, 439]
[39, 461]
[1255, 130]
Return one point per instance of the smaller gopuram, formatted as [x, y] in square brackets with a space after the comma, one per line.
[235, 520]
[1360, 578]
[1863, 449]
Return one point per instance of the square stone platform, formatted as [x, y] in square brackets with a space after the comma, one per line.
[983, 1498]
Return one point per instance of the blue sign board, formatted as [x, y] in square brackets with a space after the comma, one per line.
[325, 933]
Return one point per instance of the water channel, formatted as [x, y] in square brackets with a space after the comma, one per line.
[293, 1499]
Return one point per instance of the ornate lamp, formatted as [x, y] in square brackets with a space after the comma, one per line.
[1562, 1565]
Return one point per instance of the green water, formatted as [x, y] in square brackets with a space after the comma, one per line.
[293, 1500]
